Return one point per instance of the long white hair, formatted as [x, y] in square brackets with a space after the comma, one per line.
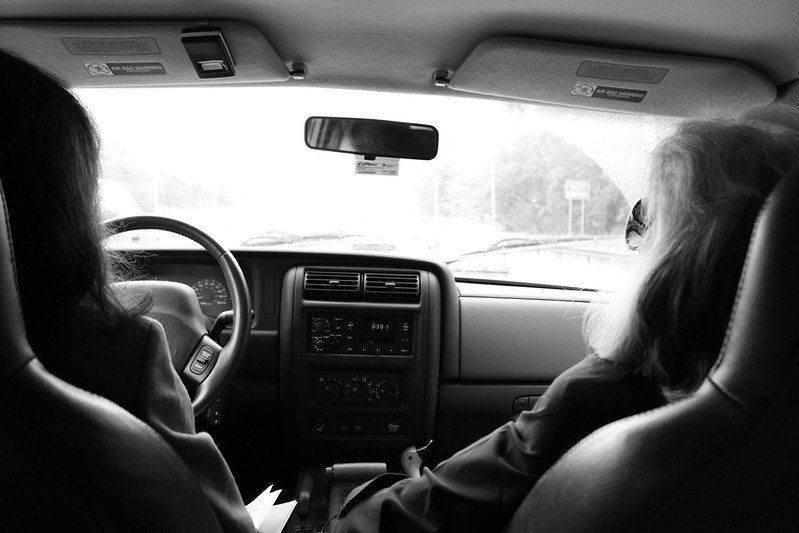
[706, 185]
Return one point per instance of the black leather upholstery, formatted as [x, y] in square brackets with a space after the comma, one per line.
[72, 461]
[723, 459]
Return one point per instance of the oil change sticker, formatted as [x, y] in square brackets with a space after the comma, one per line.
[608, 93]
[380, 166]
[125, 69]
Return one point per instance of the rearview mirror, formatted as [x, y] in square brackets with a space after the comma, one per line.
[372, 138]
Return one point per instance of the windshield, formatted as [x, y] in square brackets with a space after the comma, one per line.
[517, 192]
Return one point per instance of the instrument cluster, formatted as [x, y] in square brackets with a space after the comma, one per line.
[207, 282]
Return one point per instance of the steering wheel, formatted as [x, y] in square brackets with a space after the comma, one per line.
[203, 365]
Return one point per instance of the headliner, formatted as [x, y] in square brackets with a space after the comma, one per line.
[397, 45]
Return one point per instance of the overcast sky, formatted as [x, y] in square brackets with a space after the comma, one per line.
[251, 140]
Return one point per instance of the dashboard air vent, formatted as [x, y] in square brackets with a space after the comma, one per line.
[332, 284]
[391, 286]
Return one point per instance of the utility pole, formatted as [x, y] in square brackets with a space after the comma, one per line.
[571, 202]
[494, 189]
[582, 217]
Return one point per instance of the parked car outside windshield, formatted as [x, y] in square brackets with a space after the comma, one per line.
[518, 192]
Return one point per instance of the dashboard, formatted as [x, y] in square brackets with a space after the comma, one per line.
[353, 357]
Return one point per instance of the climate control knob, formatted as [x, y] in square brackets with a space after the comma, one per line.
[319, 345]
[358, 390]
[387, 391]
[331, 388]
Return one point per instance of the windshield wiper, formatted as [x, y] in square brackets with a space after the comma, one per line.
[514, 283]
[517, 245]
[279, 238]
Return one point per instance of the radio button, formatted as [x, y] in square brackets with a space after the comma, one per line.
[320, 325]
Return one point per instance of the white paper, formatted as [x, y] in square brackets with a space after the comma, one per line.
[257, 501]
[278, 516]
[261, 505]
[266, 516]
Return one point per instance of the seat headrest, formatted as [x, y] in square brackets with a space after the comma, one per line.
[17, 352]
[722, 459]
[761, 343]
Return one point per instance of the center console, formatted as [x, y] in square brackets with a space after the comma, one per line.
[359, 361]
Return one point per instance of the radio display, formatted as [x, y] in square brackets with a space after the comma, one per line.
[375, 329]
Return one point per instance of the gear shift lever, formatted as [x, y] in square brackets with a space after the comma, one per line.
[412, 459]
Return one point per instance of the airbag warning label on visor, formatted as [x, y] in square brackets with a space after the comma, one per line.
[608, 93]
[125, 69]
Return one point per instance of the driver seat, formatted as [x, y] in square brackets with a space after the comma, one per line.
[70, 460]
[726, 457]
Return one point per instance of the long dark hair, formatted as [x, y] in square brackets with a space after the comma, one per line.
[708, 181]
[49, 153]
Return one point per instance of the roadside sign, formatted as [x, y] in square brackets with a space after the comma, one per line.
[577, 190]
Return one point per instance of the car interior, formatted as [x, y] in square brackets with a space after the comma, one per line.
[334, 321]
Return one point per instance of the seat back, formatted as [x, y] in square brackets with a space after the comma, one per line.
[722, 459]
[72, 461]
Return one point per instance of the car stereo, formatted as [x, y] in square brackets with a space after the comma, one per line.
[366, 334]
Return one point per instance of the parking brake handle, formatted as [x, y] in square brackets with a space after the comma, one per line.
[413, 458]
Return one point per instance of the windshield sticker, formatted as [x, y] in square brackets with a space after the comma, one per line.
[119, 46]
[608, 93]
[125, 69]
[379, 166]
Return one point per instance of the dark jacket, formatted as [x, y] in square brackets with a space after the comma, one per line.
[479, 488]
[131, 366]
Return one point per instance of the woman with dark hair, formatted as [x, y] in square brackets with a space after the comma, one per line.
[654, 345]
[77, 328]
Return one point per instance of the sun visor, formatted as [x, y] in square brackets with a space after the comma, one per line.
[143, 54]
[616, 80]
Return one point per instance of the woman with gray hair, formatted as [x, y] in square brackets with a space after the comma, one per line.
[653, 345]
